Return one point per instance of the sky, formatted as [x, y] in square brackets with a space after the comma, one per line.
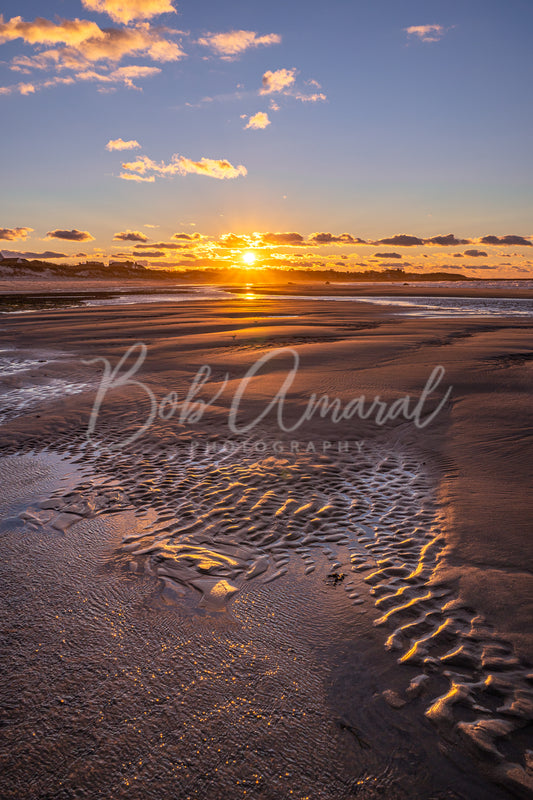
[353, 134]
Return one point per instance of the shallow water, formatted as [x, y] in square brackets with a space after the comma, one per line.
[431, 306]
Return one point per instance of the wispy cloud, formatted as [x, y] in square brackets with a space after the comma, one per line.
[127, 176]
[426, 33]
[130, 236]
[70, 236]
[161, 246]
[233, 43]
[316, 97]
[128, 10]
[26, 88]
[125, 75]
[258, 122]
[120, 144]
[277, 80]
[11, 234]
[146, 168]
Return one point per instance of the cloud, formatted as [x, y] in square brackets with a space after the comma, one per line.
[180, 165]
[43, 31]
[30, 88]
[120, 144]
[329, 238]
[258, 122]
[70, 236]
[278, 81]
[402, 240]
[22, 88]
[46, 254]
[149, 254]
[446, 241]
[387, 255]
[126, 176]
[291, 239]
[130, 236]
[475, 253]
[160, 246]
[233, 43]
[231, 240]
[310, 98]
[128, 10]
[188, 237]
[426, 33]
[85, 43]
[509, 239]
[11, 234]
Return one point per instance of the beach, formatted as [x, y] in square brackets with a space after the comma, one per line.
[218, 585]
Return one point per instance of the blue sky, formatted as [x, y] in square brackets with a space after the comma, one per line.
[372, 118]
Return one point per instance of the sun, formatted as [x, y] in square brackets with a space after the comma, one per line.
[248, 258]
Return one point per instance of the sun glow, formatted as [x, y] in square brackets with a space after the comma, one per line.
[248, 258]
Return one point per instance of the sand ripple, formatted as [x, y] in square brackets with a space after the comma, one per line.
[214, 523]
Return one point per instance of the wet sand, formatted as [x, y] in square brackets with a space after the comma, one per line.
[208, 614]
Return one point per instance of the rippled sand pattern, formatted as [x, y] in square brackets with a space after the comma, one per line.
[218, 521]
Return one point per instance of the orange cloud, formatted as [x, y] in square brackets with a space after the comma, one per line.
[120, 144]
[258, 122]
[278, 80]
[87, 44]
[180, 165]
[43, 31]
[232, 240]
[233, 43]
[11, 234]
[127, 10]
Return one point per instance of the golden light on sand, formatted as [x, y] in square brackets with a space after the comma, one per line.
[248, 258]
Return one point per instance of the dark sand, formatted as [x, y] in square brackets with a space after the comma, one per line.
[182, 620]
